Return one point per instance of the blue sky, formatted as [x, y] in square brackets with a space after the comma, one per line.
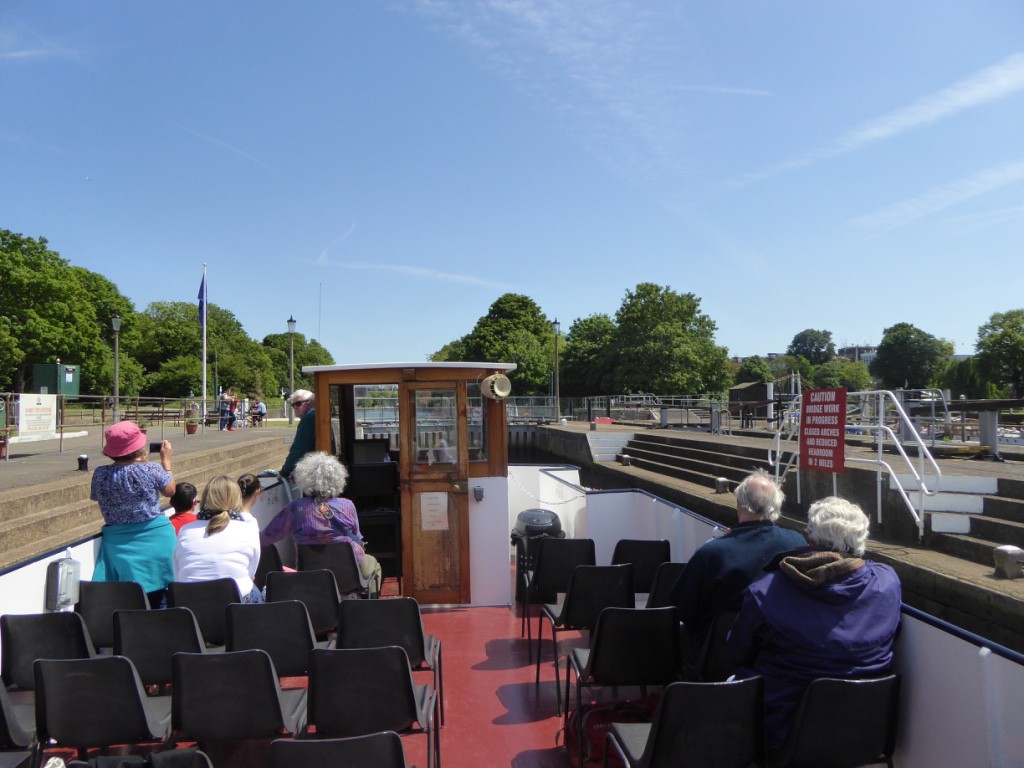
[383, 171]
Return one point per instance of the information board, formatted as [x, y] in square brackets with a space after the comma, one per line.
[823, 430]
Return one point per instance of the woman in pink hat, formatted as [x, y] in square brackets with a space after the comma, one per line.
[138, 539]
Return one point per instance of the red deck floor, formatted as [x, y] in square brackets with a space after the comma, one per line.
[495, 714]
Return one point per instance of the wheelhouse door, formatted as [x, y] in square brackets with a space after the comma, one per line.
[435, 519]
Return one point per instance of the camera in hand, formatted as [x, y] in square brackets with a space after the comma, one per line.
[155, 447]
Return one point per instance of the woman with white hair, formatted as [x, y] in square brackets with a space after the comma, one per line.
[821, 611]
[320, 516]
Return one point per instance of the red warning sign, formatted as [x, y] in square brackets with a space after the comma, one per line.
[823, 430]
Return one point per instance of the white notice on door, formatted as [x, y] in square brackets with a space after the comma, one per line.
[434, 511]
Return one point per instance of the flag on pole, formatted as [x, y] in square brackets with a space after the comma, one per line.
[202, 301]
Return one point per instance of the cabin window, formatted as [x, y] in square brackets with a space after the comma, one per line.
[477, 422]
[436, 419]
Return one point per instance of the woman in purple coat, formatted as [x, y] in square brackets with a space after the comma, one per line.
[821, 611]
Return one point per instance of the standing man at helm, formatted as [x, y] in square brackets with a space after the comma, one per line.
[302, 404]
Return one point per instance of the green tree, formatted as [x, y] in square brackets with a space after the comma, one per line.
[856, 377]
[964, 378]
[97, 375]
[909, 357]
[785, 365]
[664, 344]
[584, 361]
[311, 352]
[514, 330]
[1000, 349]
[47, 312]
[814, 346]
[753, 369]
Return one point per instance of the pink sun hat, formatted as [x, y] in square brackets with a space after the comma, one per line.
[122, 438]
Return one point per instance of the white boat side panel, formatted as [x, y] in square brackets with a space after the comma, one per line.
[488, 542]
[960, 705]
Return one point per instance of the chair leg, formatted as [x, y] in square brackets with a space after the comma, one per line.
[558, 686]
[540, 634]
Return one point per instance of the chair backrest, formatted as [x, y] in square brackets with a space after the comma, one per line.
[374, 750]
[339, 558]
[316, 589]
[372, 623]
[92, 702]
[208, 601]
[844, 723]
[97, 601]
[593, 588]
[720, 724]
[664, 579]
[151, 638]
[17, 728]
[282, 629]
[555, 563]
[270, 560]
[635, 646]
[645, 555]
[378, 691]
[230, 695]
[30, 636]
[715, 662]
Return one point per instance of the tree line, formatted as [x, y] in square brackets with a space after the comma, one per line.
[658, 341]
[51, 309]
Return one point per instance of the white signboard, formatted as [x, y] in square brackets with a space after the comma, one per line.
[434, 511]
[37, 415]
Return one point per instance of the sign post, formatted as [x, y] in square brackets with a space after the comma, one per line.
[823, 430]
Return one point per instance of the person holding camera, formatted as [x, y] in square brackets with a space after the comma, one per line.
[137, 541]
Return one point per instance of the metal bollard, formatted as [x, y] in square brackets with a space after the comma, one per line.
[83, 463]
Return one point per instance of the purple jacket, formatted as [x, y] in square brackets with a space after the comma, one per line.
[803, 621]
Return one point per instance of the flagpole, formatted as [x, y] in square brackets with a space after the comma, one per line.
[205, 308]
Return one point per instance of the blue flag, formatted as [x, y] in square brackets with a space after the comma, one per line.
[202, 302]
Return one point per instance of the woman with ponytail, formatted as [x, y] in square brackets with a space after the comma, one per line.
[221, 543]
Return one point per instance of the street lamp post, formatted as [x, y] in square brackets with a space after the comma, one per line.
[291, 366]
[115, 323]
[557, 328]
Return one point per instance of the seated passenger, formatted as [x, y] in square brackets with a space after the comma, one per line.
[721, 570]
[183, 502]
[221, 543]
[320, 516]
[821, 611]
[251, 489]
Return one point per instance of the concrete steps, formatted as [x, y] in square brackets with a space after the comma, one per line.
[41, 518]
[697, 462]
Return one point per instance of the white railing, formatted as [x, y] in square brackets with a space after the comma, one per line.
[875, 408]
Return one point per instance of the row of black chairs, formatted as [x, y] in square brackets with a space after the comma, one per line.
[219, 700]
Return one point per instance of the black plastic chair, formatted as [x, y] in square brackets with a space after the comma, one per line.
[231, 697]
[30, 636]
[629, 647]
[270, 560]
[317, 590]
[282, 629]
[592, 588]
[97, 601]
[188, 757]
[97, 702]
[379, 695]
[843, 724]
[340, 559]
[720, 724]
[555, 561]
[715, 663]
[645, 555]
[17, 728]
[665, 578]
[395, 621]
[151, 638]
[208, 600]
[375, 750]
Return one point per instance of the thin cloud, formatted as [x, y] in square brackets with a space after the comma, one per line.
[13, 47]
[941, 198]
[725, 90]
[985, 86]
[422, 273]
[325, 253]
[229, 147]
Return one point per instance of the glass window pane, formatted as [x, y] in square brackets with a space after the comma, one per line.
[477, 418]
[436, 426]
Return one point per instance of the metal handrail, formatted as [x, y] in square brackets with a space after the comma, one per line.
[881, 430]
